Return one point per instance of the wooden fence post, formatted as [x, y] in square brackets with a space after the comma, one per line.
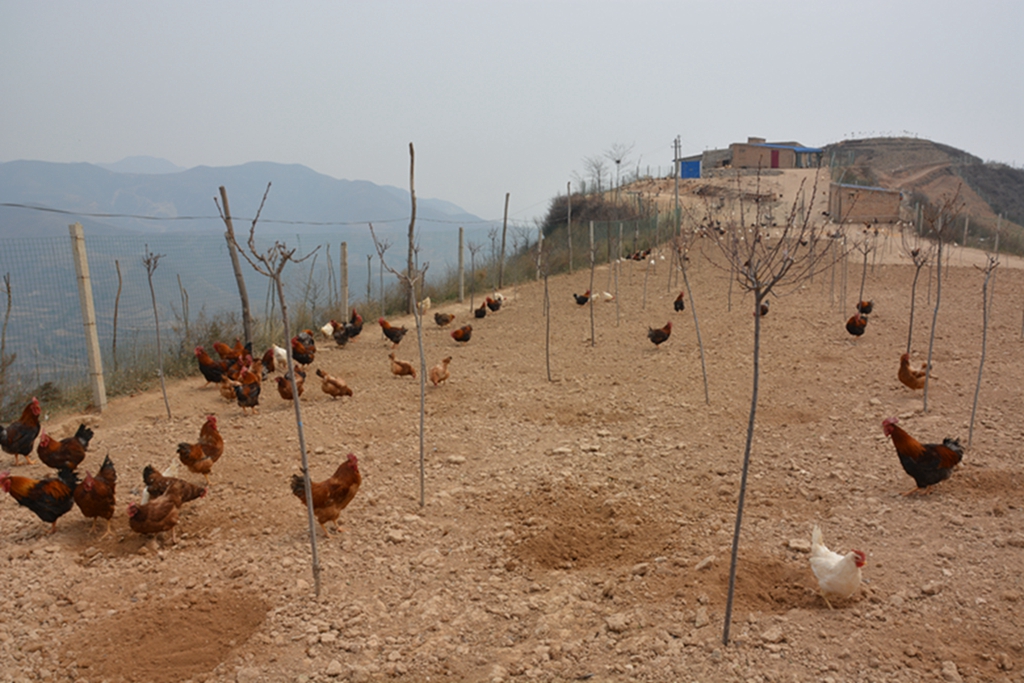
[229, 236]
[504, 230]
[462, 265]
[92, 339]
[343, 273]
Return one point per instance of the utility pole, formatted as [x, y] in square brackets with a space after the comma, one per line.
[675, 165]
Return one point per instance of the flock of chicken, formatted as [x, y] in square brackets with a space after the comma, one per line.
[51, 498]
[240, 378]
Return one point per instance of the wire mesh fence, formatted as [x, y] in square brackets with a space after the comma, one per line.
[197, 297]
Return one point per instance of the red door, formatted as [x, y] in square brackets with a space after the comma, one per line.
[775, 158]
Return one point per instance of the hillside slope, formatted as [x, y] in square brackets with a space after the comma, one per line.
[574, 529]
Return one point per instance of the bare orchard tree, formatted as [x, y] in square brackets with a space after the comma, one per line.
[595, 169]
[986, 305]
[151, 261]
[410, 285]
[271, 263]
[763, 265]
[474, 249]
[866, 246]
[920, 252]
[617, 154]
[941, 222]
[684, 243]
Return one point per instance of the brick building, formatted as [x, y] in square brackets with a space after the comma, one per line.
[861, 204]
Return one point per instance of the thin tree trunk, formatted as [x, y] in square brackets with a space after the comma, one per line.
[593, 339]
[568, 224]
[151, 261]
[117, 304]
[412, 235]
[243, 294]
[746, 469]
[547, 326]
[913, 301]
[504, 230]
[985, 303]
[863, 276]
[935, 317]
[696, 325]
[306, 482]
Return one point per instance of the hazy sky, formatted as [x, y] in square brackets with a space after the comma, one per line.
[498, 96]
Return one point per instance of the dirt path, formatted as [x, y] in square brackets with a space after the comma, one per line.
[572, 528]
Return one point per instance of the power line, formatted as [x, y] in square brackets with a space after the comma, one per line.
[278, 221]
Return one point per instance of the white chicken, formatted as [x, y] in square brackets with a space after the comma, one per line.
[838, 575]
[280, 357]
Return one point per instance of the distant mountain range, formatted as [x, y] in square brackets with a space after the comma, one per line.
[150, 195]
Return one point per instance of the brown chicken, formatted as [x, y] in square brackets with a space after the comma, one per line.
[680, 303]
[227, 388]
[401, 368]
[338, 333]
[247, 393]
[159, 484]
[354, 325]
[463, 334]
[912, 377]
[856, 324]
[331, 496]
[394, 334]
[439, 373]
[19, 436]
[659, 335]
[284, 384]
[49, 498]
[158, 515]
[334, 387]
[582, 299]
[865, 307]
[480, 312]
[927, 463]
[492, 304]
[95, 495]
[213, 371]
[230, 353]
[443, 319]
[201, 456]
[67, 452]
[268, 361]
[304, 348]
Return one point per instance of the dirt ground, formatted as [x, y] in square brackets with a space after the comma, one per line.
[577, 529]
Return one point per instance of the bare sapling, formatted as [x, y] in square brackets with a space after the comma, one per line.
[920, 252]
[151, 261]
[271, 263]
[117, 305]
[940, 222]
[761, 265]
[380, 272]
[6, 360]
[474, 249]
[593, 339]
[409, 280]
[986, 305]
[184, 312]
[865, 246]
[229, 236]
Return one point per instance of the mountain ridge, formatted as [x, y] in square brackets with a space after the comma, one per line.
[183, 201]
